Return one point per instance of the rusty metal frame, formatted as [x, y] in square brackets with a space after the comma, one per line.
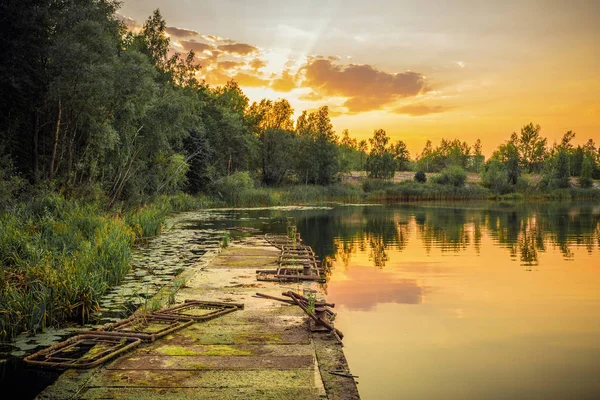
[219, 309]
[120, 328]
[51, 355]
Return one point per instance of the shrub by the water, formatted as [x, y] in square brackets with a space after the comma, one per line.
[453, 175]
[420, 177]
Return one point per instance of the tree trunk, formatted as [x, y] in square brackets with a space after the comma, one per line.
[55, 146]
[36, 135]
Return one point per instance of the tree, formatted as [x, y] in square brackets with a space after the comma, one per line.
[277, 145]
[401, 155]
[380, 162]
[532, 147]
[317, 156]
[508, 155]
[556, 174]
[495, 177]
[585, 179]
[478, 157]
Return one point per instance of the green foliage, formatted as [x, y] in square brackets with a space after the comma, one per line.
[556, 173]
[508, 155]
[448, 153]
[225, 240]
[454, 175]
[532, 147]
[375, 184]
[381, 166]
[147, 221]
[316, 154]
[380, 162]
[420, 177]
[230, 188]
[495, 177]
[10, 182]
[277, 145]
[414, 191]
[585, 179]
[58, 258]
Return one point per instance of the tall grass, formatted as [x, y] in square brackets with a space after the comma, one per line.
[58, 258]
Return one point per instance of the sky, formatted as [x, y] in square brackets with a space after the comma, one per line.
[421, 70]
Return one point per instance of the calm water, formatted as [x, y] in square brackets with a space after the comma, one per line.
[485, 301]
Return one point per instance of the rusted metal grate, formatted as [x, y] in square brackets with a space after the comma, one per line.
[146, 327]
[199, 310]
[82, 351]
[91, 348]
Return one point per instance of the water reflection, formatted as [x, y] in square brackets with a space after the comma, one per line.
[525, 230]
[472, 301]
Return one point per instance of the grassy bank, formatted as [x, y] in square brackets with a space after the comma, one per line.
[60, 256]
[236, 192]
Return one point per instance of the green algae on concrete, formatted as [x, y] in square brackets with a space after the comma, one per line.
[292, 393]
[263, 379]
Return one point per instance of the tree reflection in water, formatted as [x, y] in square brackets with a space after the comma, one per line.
[525, 230]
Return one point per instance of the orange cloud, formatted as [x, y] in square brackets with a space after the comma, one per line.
[250, 80]
[180, 32]
[257, 64]
[366, 288]
[230, 64]
[197, 47]
[285, 83]
[417, 110]
[365, 87]
[238, 48]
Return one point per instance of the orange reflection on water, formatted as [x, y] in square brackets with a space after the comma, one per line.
[470, 319]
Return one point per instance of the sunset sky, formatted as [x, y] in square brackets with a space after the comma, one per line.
[418, 69]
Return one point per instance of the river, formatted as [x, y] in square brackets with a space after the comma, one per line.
[460, 301]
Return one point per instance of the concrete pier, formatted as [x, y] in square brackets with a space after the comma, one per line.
[265, 351]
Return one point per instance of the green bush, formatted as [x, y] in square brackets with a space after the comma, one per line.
[495, 177]
[587, 168]
[453, 175]
[147, 221]
[420, 177]
[230, 188]
[373, 184]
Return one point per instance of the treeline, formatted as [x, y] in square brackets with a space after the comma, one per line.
[509, 169]
[92, 110]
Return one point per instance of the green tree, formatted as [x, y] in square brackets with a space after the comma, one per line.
[508, 155]
[585, 179]
[532, 147]
[317, 155]
[380, 162]
[401, 155]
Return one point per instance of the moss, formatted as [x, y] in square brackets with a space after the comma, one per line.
[225, 350]
[257, 337]
[171, 350]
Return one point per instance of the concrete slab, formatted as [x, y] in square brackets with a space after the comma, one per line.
[265, 351]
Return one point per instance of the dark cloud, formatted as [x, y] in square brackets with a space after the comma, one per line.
[180, 32]
[197, 47]
[417, 110]
[285, 83]
[365, 87]
[238, 48]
